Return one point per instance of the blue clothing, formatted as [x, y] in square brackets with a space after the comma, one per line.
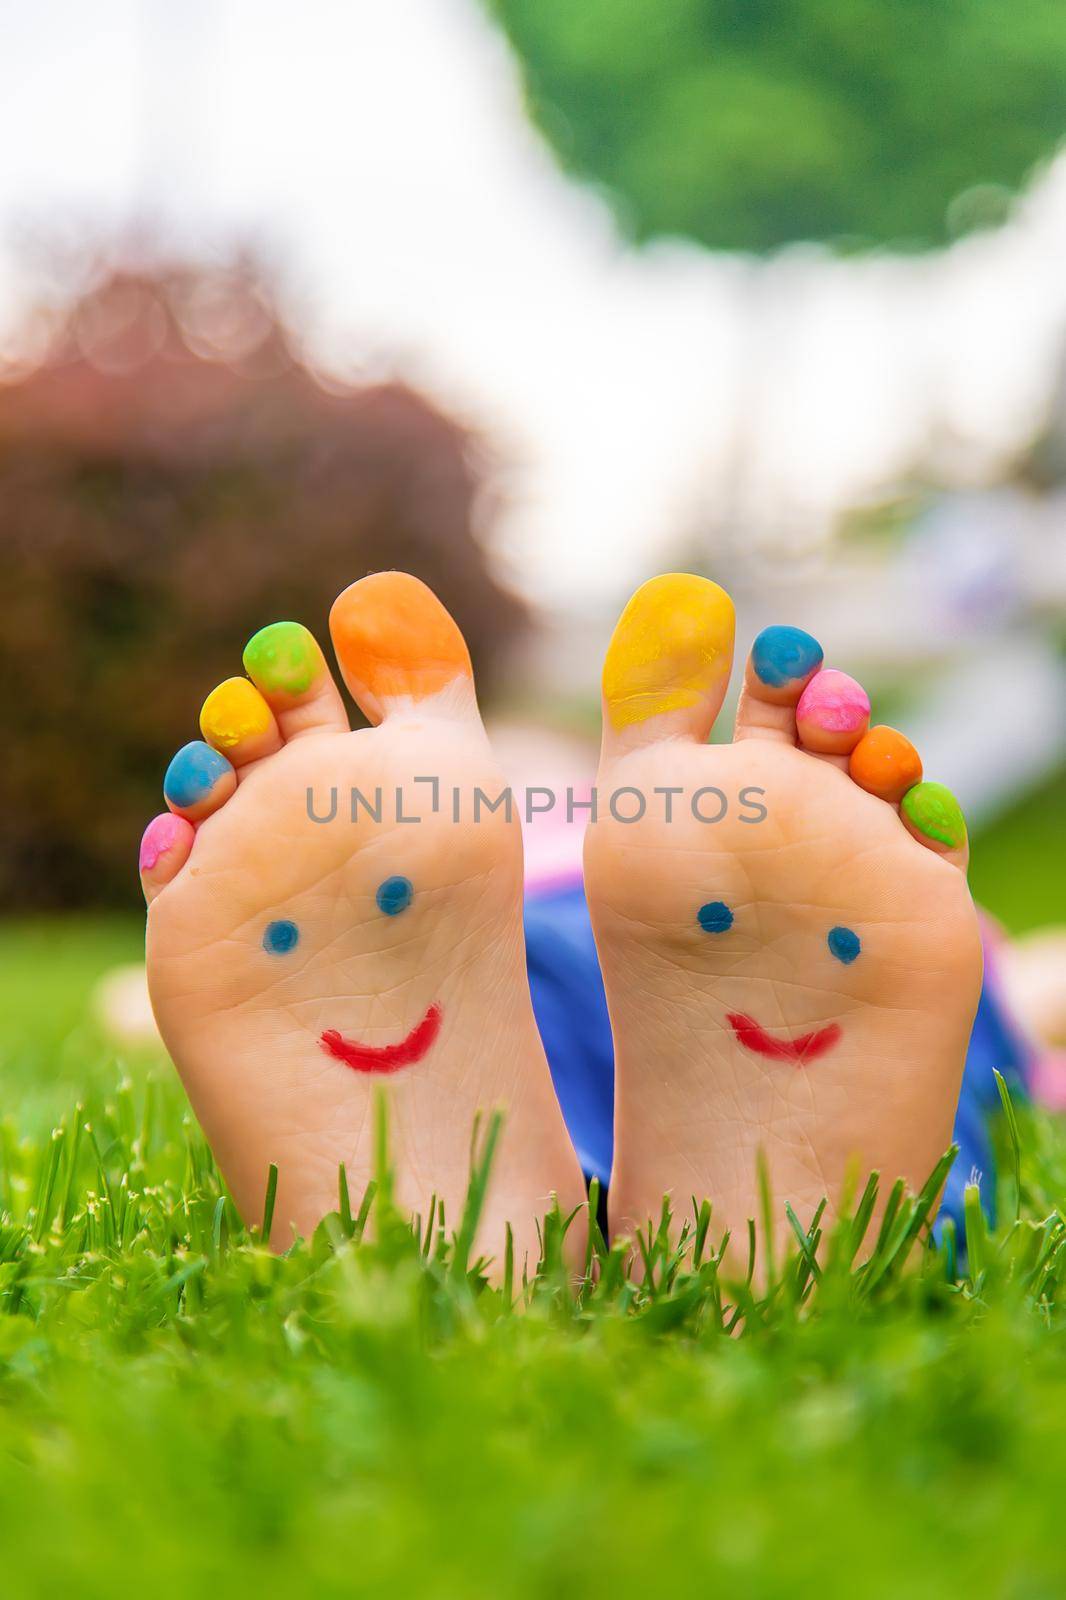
[571, 1012]
[995, 1044]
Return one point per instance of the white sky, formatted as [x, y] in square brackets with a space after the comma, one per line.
[380, 150]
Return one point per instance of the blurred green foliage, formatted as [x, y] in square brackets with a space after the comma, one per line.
[749, 124]
[1017, 863]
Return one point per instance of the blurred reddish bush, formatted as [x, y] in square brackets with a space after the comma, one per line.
[172, 478]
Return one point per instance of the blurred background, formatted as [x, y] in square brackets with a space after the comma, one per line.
[533, 298]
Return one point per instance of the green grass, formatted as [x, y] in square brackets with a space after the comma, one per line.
[48, 1046]
[365, 1416]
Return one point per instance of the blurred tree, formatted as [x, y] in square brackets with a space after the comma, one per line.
[172, 478]
[748, 124]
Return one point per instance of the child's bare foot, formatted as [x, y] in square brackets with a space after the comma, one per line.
[799, 976]
[298, 959]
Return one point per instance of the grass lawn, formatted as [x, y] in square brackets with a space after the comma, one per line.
[179, 1409]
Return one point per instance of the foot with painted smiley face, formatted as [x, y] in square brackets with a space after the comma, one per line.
[320, 923]
[789, 947]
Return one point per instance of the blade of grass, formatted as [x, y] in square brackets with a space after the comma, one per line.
[217, 1222]
[268, 1203]
[363, 1213]
[766, 1206]
[477, 1189]
[976, 1234]
[344, 1200]
[1012, 1133]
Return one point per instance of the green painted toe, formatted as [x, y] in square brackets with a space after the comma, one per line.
[934, 811]
[282, 658]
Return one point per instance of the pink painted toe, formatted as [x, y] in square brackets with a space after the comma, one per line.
[833, 713]
[161, 836]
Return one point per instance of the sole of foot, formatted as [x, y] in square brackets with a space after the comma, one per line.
[310, 943]
[789, 947]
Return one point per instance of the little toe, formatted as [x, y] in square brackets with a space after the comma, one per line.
[933, 815]
[165, 848]
[198, 781]
[236, 720]
[833, 714]
[782, 663]
[668, 663]
[286, 664]
[885, 763]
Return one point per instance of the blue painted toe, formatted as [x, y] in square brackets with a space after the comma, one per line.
[193, 773]
[785, 655]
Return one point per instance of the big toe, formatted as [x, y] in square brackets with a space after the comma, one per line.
[668, 663]
[397, 644]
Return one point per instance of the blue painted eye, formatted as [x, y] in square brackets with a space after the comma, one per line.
[715, 917]
[281, 937]
[395, 895]
[844, 944]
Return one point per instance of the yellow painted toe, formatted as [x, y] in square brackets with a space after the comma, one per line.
[672, 650]
[234, 714]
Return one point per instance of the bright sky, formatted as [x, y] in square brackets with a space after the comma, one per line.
[381, 152]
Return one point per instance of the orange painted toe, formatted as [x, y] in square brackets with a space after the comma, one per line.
[394, 639]
[886, 764]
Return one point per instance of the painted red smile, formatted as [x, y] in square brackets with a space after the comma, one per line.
[385, 1057]
[807, 1048]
